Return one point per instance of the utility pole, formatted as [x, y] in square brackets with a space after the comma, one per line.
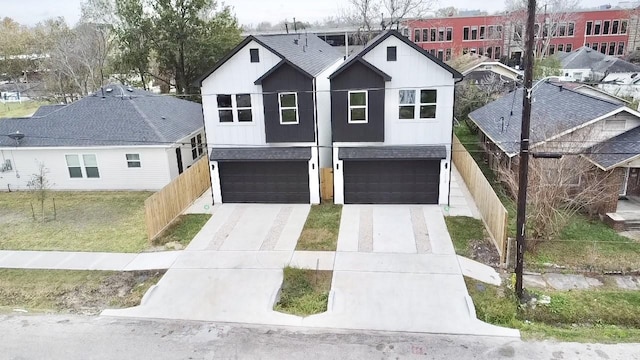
[524, 148]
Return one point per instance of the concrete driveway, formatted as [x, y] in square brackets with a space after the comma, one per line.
[395, 270]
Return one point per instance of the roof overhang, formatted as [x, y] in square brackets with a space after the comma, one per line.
[433, 152]
[261, 154]
[282, 63]
[364, 62]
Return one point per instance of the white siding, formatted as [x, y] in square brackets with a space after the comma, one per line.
[112, 166]
[237, 76]
[323, 96]
[413, 70]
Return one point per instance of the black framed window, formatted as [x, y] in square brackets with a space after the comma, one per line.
[254, 55]
[392, 53]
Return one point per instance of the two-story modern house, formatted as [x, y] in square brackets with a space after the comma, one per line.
[392, 116]
[267, 118]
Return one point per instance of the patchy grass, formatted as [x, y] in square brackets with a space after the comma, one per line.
[85, 292]
[320, 232]
[304, 292]
[183, 229]
[14, 110]
[583, 316]
[463, 230]
[84, 221]
[588, 243]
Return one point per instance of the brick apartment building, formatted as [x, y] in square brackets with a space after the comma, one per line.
[610, 31]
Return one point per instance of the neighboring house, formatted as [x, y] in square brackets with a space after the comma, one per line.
[563, 118]
[622, 84]
[496, 72]
[392, 116]
[117, 139]
[590, 90]
[586, 64]
[47, 109]
[267, 118]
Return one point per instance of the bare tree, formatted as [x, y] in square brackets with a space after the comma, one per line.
[398, 10]
[362, 13]
[555, 18]
[40, 185]
[560, 188]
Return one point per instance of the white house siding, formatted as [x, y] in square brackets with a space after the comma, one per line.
[185, 150]
[412, 70]
[323, 97]
[623, 85]
[576, 74]
[237, 76]
[112, 166]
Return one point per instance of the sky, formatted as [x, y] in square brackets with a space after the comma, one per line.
[31, 12]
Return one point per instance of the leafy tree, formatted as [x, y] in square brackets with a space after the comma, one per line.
[185, 37]
[549, 66]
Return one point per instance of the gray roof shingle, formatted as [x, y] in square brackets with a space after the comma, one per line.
[45, 110]
[616, 150]
[554, 110]
[122, 117]
[393, 152]
[587, 58]
[311, 54]
[263, 154]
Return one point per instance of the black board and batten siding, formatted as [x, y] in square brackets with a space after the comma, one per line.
[288, 79]
[355, 77]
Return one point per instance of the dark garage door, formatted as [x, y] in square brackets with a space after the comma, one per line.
[391, 182]
[265, 182]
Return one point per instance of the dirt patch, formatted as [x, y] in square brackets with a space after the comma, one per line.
[77, 292]
[484, 251]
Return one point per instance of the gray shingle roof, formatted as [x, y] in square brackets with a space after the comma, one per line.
[587, 58]
[357, 56]
[393, 152]
[616, 150]
[311, 54]
[121, 117]
[45, 110]
[264, 154]
[554, 110]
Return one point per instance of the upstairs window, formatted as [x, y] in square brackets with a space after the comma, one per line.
[416, 35]
[623, 27]
[433, 34]
[605, 27]
[200, 147]
[465, 33]
[597, 28]
[358, 107]
[589, 27]
[474, 33]
[234, 108]
[254, 55]
[288, 108]
[615, 26]
[614, 125]
[392, 53]
[425, 34]
[449, 34]
[194, 148]
[426, 104]
[133, 160]
[571, 28]
[441, 34]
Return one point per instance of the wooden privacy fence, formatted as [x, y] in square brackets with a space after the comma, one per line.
[326, 184]
[493, 213]
[161, 208]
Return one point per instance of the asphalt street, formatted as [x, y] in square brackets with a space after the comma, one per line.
[71, 337]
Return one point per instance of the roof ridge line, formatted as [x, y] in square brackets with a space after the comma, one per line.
[148, 122]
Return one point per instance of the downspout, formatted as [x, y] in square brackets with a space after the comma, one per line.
[315, 125]
[451, 151]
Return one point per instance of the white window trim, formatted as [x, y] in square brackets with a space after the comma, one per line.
[288, 108]
[83, 166]
[417, 104]
[234, 111]
[133, 161]
[365, 107]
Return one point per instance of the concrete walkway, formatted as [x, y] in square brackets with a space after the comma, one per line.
[395, 270]
[67, 260]
[461, 202]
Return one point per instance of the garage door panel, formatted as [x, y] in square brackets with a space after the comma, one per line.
[392, 182]
[265, 182]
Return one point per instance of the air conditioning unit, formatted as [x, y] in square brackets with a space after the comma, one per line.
[6, 166]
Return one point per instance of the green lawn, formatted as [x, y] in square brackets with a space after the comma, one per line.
[463, 229]
[607, 315]
[87, 292]
[12, 110]
[320, 232]
[304, 292]
[84, 221]
[183, 229]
